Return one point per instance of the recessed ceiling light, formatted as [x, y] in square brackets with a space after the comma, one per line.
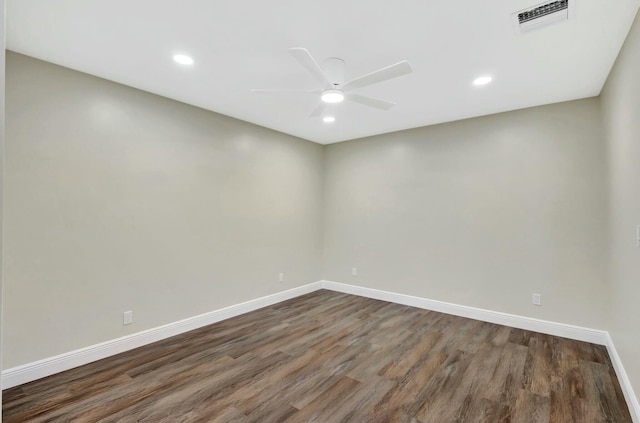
[483, 80]
[328, 119]
[332, 96]
[183, 59]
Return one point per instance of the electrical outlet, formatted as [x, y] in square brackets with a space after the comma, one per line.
[281, 277]
[354, 271]
[127, 318]
[537, 299]
[638, 236]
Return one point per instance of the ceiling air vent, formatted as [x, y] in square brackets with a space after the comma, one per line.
[543, 15]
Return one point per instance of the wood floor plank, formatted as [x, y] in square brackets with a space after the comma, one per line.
[416, 350]
[479, 374]
[506, 379]
[333, 396]
[442, 387]
[532, 408]
[360, 402]
[334, 357]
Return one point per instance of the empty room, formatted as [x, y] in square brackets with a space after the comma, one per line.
[303, 211]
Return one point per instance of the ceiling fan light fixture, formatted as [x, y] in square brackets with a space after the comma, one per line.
[483, 80]
[332, 96]
[183, 59]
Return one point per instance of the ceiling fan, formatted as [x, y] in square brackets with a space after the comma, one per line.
[334, 89]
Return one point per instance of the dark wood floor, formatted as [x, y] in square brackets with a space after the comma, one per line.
[331, 357]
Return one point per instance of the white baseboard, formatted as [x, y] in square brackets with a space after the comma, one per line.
[31, 371]
[543, 326]
[625, 383]
[594, 336]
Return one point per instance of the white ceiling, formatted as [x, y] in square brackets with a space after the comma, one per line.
[239, 45]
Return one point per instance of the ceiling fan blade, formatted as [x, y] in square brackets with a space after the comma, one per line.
[371, 102]
[279, 91]
[303, 56]
[392, 71]
[318, 111]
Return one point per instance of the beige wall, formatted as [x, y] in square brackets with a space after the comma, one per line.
[621, 107]
[116, 199]
[482, 212]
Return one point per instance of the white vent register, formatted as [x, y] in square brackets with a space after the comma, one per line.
[543, 15]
